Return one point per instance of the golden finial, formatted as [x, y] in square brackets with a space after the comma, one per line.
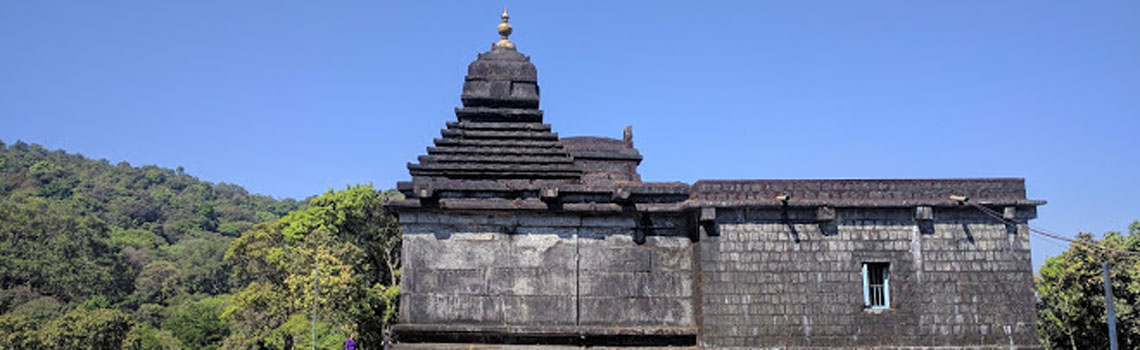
[505, 31]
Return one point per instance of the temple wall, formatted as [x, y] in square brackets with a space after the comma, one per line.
[545, 273]
[960, 279]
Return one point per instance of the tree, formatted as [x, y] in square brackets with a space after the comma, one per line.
[145, 242]
[202, 266]
[58, 250]
[1071, 310]
[102, 329]
[143, 337]
[198, 324]
[157, 282]
[19, 332]
[354, 243]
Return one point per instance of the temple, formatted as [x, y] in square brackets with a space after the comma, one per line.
[516, 238]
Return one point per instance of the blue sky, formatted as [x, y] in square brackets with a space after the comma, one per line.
[291, 98]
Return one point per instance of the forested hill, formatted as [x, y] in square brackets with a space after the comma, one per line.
[87, 243]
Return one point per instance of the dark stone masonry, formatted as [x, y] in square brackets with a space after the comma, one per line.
[515, 238]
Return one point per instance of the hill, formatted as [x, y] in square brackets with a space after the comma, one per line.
[89, 248]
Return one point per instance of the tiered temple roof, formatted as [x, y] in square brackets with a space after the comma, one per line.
[499, 154]
[499, 134]
[500, 149]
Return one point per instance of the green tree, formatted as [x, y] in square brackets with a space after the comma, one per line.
[198, 324]
[19, 327]
[202, 267]
[19, 332]
[116, 239]
[1071, 311]
[39, 310]
[82, 329]
[58, 250]
[157, 282]
[356, 246]
[143, 337]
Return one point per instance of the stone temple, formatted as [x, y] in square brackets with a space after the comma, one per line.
[516, 238]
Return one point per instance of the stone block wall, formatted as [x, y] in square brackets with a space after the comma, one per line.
[473, 278]
[762, 278]
[776, 279]
[624, 284]
[546, 273]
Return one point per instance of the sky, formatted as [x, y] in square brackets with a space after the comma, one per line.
[292, 98]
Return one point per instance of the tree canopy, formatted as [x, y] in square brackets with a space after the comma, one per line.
[102, 256]
[346, 239]
[1071, 311]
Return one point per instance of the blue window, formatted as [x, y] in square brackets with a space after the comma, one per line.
[877, 285]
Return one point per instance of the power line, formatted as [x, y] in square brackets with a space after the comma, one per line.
[1046, 234]
[1107, 276]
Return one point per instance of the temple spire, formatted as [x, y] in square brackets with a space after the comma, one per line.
[504, 31]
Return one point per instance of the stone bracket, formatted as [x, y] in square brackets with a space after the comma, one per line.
[548, 194]
[825, 217]
[825, 214]
[923, 213]
[1010, 216]
[707, 222]
[425, 192]
[708, 215]
[621, 195]
[1009, 213]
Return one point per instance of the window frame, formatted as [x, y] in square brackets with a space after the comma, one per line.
[885, 267]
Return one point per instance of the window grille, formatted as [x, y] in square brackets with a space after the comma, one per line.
[876, 285]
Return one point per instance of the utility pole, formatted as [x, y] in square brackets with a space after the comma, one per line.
[316, 291]
[1111, 311]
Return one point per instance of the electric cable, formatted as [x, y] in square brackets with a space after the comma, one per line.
[1046, 234]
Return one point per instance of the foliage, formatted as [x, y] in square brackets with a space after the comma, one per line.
[355, 247]
[157, 282]
[1071, 311]
[95, 303]
[330, 335]
[202, 268]
[93, 253]
[57, 249]
[143, 337]
[198, 324]
[102, 329]
[19, 332]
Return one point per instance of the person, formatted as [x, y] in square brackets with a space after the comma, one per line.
[387, 344]
[350, 343]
